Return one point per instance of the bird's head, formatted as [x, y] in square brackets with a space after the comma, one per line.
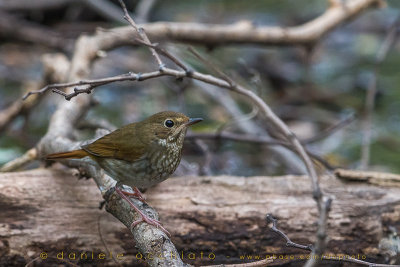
[169, 126]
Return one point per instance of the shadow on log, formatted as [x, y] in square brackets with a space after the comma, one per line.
[212, 220]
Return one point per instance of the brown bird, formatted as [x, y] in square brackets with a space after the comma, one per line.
[139, 154]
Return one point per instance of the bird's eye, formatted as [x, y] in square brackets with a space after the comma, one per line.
[169, 123]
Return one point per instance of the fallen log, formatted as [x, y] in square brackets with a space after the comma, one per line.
[213, 220]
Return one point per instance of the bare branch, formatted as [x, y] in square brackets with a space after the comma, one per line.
[91, 84]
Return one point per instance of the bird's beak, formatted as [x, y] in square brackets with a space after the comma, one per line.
[193, 121]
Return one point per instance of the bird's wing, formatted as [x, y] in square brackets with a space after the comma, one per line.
[121, 144]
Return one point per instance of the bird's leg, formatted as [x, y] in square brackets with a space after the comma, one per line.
[137, 194]
[144, 217]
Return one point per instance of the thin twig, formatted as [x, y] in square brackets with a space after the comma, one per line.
[330, 130]
[289, 243]
[92, 84]
[142, 34]
[212, 66]
[165, 53]
[336, 257]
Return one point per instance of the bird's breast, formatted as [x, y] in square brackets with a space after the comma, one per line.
[165, 157]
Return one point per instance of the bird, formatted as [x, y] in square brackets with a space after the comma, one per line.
[138, 155]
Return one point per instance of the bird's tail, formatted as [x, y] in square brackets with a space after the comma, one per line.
[74, 154]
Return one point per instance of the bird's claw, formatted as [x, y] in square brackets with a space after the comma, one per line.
[151, 221]
[141, 198]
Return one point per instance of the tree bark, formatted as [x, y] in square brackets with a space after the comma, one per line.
[50, 210]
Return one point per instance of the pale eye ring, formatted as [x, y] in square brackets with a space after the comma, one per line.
[169, 123]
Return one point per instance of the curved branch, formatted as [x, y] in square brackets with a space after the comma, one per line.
[245, 32]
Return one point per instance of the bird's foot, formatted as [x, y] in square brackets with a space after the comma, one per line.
[144, 217]
[136, 194]
[150, 221]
